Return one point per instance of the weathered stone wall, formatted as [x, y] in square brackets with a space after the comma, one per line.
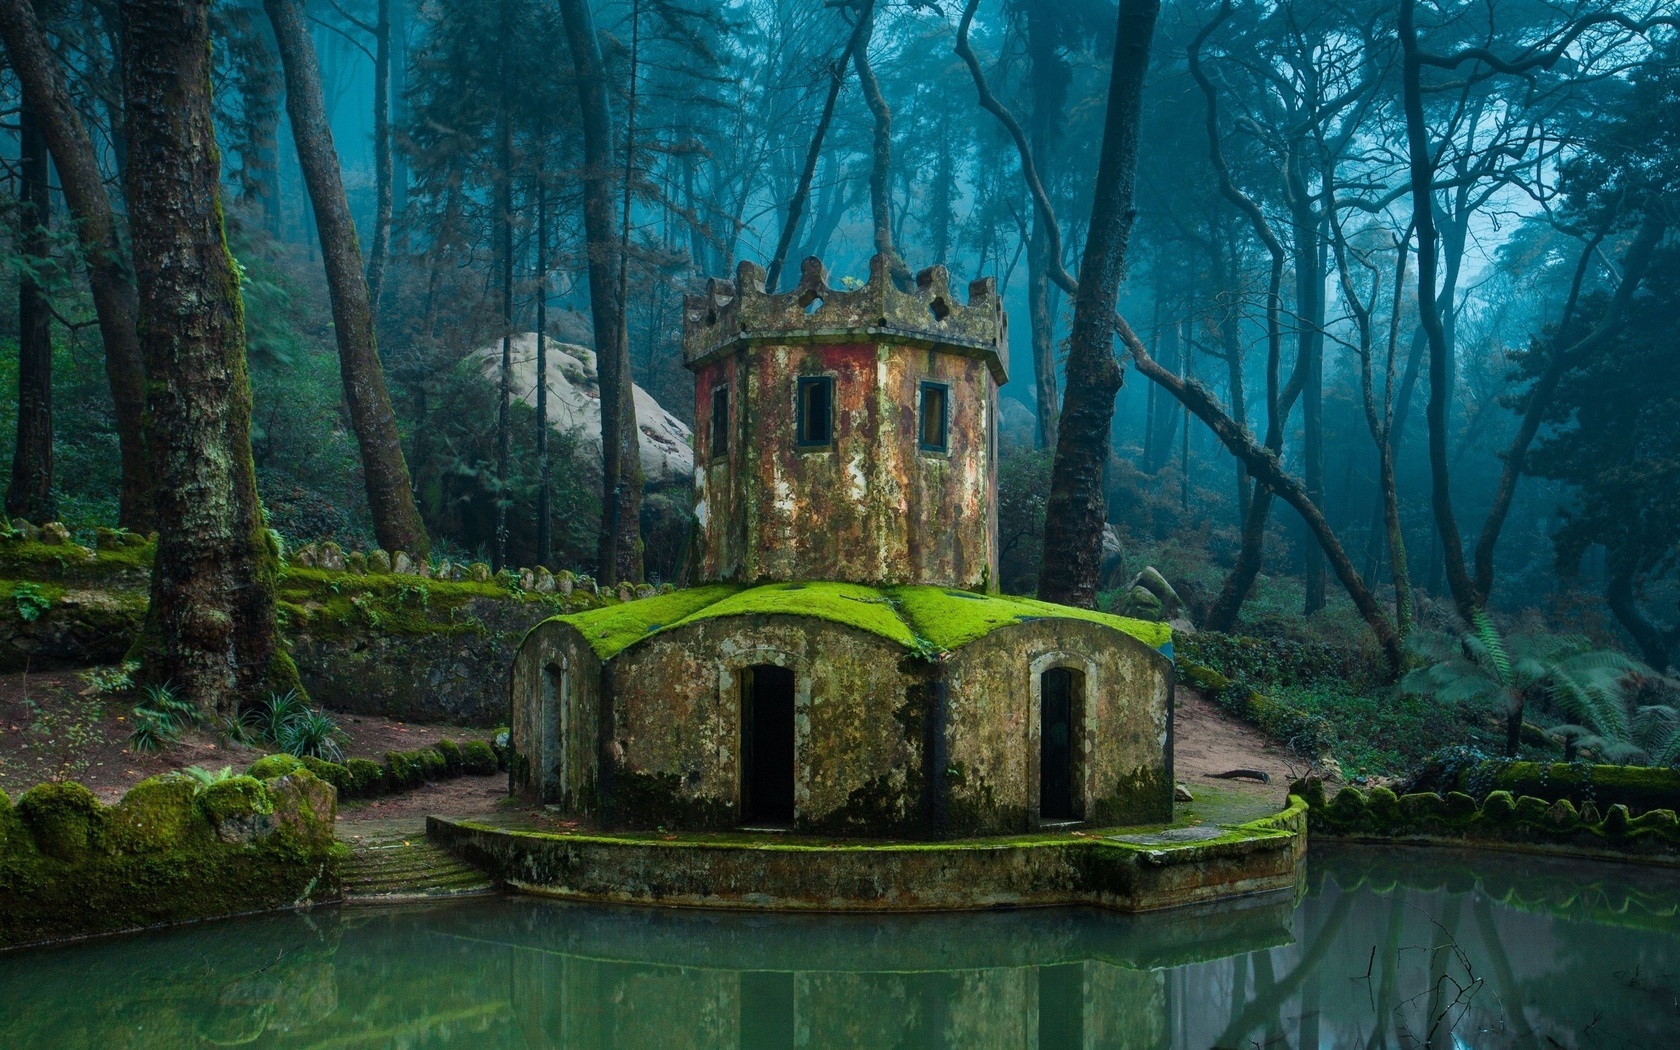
[886, 742]
[675, 726]
[872, 506]
[1123, 762]
[555, 724]
[396, 645]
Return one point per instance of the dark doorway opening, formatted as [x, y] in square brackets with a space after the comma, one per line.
[767, 744]
[1059, 708]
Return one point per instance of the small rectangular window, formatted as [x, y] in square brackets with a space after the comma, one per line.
[720, 421]
[933, 434]
[815, 425]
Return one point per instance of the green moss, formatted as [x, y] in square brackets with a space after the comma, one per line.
[156, 814]
[477, 758]
[951, 619]
[451, 752]
[1640, 788]
[335, 605]
[922, 619]
[610, 629]
[433, 766]
[850, 604]
[367, 778]
[125, 566]
[63, 818]
[234, 800]
[155, 857]
[403, 770]
[277, 765]
[333, 773]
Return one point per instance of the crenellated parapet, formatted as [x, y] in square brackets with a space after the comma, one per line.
[729, 313]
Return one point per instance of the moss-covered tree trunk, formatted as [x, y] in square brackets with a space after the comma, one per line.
[211, 627]
[30, 494]
[396, 518]
[109, 277]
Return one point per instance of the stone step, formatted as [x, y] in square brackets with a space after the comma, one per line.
[395, 869]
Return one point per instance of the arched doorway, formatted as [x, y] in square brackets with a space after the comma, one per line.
[767, 744]
[1061, 711]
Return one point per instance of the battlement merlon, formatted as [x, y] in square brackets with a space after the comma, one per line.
[728, 315]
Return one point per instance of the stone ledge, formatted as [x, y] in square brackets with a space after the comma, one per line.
[780, 873]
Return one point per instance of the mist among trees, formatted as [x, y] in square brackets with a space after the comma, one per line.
[1353, 320]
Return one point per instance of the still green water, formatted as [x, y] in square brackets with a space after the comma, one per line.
[1386, 948]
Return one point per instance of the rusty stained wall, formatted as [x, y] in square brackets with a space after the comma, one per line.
[676, 726]
[994, 724]
[872, 507]
[556, 687]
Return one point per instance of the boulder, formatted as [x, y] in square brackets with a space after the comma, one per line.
[574, 404]
[330, 557]
[544, 581]
[54, 534]
[402, 564]
[378, 561]
[564, 581]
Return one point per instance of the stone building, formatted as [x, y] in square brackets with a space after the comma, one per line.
[845, 664]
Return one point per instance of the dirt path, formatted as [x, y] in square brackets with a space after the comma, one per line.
[1207, 740]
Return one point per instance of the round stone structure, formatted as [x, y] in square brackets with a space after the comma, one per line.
[844, 665]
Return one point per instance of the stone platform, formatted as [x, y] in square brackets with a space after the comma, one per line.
[1123, 869]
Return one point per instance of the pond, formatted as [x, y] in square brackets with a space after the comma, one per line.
[1385, 948]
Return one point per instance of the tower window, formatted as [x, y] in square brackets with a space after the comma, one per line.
[815, 425]
[933, 430]
[720, 421]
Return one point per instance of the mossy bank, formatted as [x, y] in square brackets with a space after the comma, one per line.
[174, 849]
[432, 643]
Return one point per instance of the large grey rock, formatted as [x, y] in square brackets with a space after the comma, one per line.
[574, 403]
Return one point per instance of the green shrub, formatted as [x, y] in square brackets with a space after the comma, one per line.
[367, 778]
[478, 758]
[432, 763]
[403, 770]
[312, 733]
[333, 773]
[63, 817]
[235, 799]
[451, 752]
[271, 766]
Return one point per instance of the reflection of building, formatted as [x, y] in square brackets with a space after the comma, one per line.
[845, 665]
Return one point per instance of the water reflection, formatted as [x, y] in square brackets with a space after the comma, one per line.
[1393, 949]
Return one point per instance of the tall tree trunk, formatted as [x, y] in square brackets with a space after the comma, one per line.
[1440, 384]
[880, 153]
[396, 519]
[1654, 642]
[381, 156]
[210, 629]
[621, 490]
[1048, 81]
[545, 527]
[504, 235]
[30, 494]
[1269, 473]
[1634, 265]
[109, 278]
[399, 103]
[1222, 615]
[1075, 512]
[802, 192]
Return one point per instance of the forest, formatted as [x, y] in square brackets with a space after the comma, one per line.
[1353, 321]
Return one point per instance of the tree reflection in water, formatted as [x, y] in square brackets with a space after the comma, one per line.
[1386, 949]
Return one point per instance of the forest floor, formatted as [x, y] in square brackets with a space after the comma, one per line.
[48, 726]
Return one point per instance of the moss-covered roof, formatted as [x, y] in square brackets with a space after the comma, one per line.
[927, 619]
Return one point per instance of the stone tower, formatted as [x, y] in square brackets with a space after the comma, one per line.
[846, 434]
